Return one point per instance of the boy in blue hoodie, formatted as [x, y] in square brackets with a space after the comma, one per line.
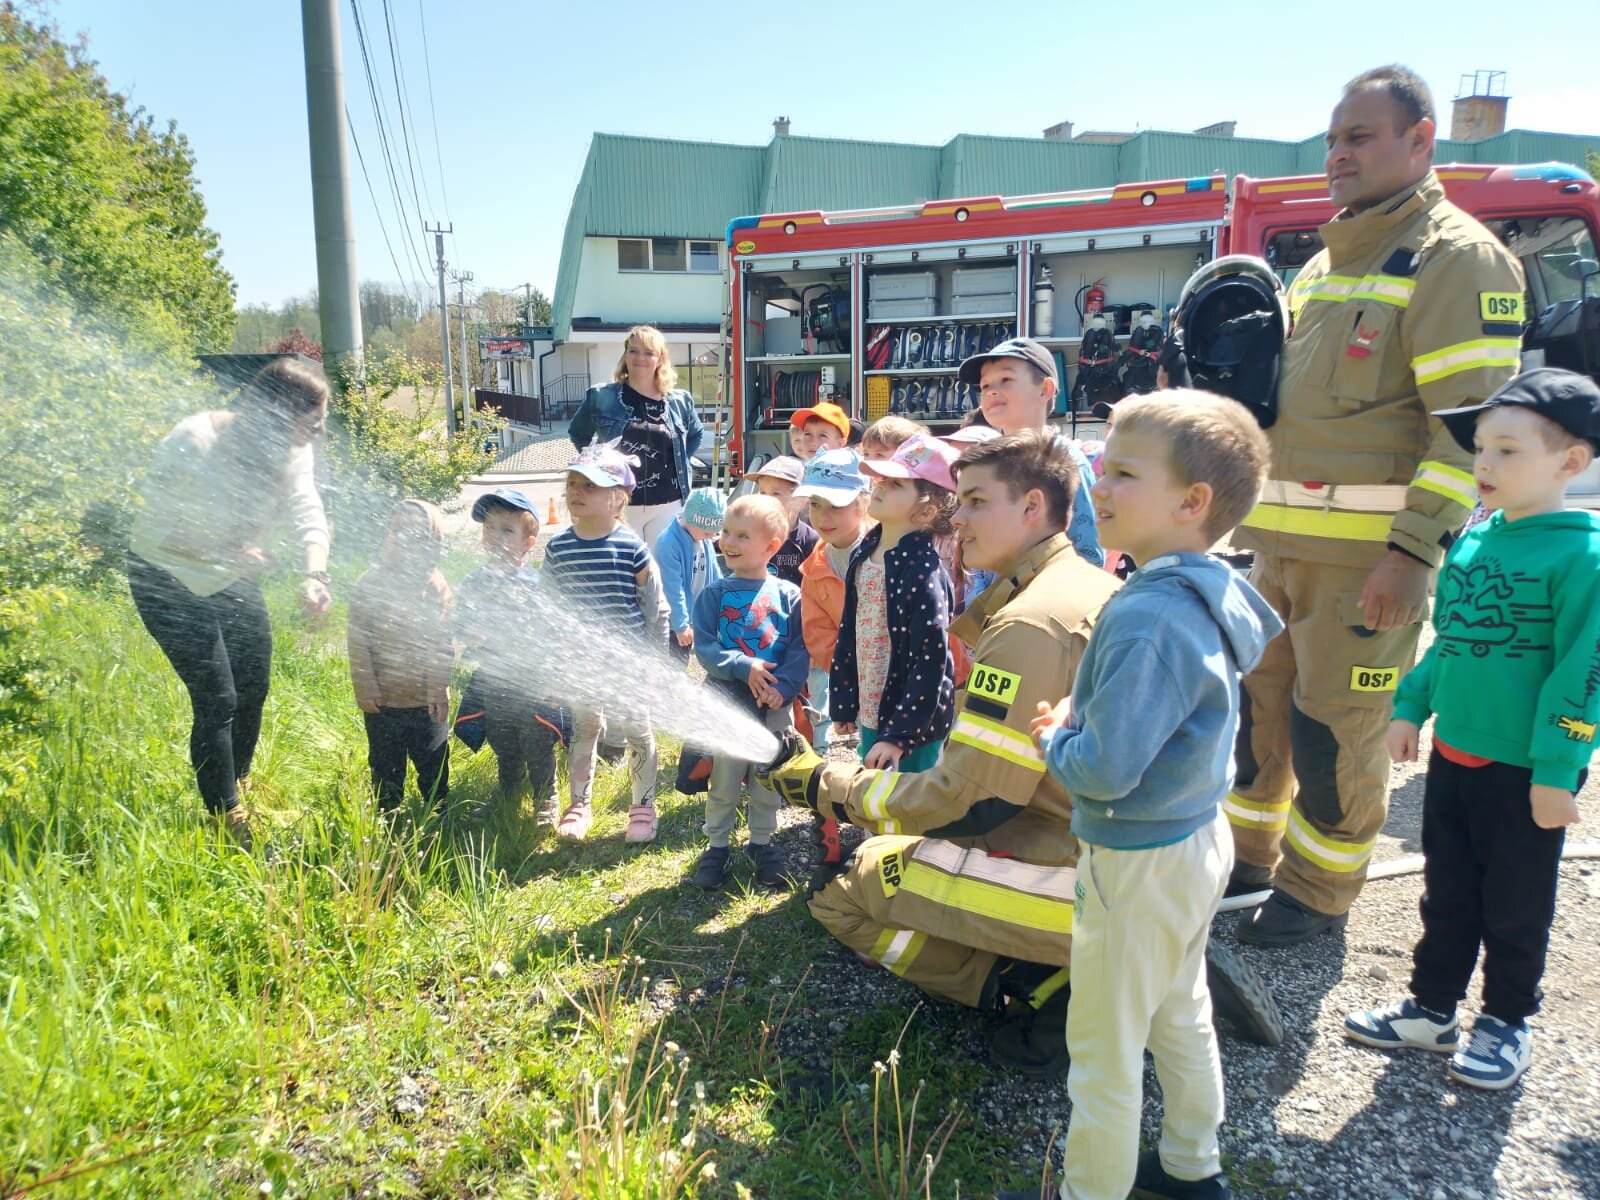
[686, 554]
[1144, 745]
[1513, 681]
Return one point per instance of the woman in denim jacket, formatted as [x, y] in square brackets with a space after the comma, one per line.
[654, 420]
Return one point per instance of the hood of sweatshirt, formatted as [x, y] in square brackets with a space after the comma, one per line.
[1246, 620]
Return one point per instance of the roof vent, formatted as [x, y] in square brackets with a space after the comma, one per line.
[780, 127]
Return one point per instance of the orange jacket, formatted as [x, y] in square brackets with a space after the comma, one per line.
[822, 606]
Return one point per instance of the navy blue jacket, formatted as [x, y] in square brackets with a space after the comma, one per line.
[603, 416]
[918, 705]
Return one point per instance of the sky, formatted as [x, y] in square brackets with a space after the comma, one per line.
[518, 89]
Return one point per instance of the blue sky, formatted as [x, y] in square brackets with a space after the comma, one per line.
[518, 89]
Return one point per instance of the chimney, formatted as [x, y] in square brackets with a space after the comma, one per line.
[780, 127]
[1218, 129]
[1479, 110]
[1059, 133]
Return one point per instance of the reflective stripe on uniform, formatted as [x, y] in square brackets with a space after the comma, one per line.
[1001, 741]
[1382, 289]
[897, 949]
[1450, 482]
[1352, 497]
[1341, 858]
[1347, 526]
[1467, 356]
[970, 893]
[1256, 814]
[875, 802]
[1036, 880]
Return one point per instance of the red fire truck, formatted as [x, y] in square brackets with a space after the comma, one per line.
[876, 308]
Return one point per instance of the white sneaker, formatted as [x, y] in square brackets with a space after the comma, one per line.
[1495, 1056]
[1402, 1026]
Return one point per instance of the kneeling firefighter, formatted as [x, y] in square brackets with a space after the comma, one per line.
[964, 885]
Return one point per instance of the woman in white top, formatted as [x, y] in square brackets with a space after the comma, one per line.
[217, 482]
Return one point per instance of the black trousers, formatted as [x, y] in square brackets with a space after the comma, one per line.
[221, 647]
[393, 736]
[524, 745]
[1489, 880]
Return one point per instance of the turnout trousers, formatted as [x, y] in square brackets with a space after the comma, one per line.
[1312, 786]
[939, 914]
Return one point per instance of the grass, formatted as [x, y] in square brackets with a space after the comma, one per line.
[427, 1012]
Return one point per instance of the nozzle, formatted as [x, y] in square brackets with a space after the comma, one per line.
[789, 746]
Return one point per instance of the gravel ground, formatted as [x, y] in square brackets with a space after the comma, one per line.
[1318, 1116]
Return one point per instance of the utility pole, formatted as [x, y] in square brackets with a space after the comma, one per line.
[339, 303]
[462, 279]
[438, 232]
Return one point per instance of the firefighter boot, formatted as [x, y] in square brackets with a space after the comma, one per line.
[1247, 879]
[1241, 996]
[1281, 920]
[1034, 1043]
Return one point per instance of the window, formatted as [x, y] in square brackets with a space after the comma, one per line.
[667, 255]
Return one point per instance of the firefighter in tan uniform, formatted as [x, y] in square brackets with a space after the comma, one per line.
[1412, 307]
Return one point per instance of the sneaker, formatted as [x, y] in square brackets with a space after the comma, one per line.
[712, 868]
[1151, 1182]
[641, 823]
[549, 812]
[235, 822]
[1495, 1056]
[768, 862]
[1403, 1026]
[575, 822]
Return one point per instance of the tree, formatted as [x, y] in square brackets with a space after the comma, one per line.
[102, 197]
[297, 343]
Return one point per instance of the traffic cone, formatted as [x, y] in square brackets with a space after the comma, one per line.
[551, 518]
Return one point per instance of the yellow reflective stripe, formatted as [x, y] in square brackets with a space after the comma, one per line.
[988, 900]
[897, 949]
[1342, 858]
[1051, 986]
[1467, 356]
[1382, 289]
[875, 799]
[1254, 813]
[991, 737]
[1335, 288]
[1450, 482]
[1347, 526]
[1032, 878]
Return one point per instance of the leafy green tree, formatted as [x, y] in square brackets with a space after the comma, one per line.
[102, 196]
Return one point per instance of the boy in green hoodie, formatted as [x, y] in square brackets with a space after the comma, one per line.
[1513, 679]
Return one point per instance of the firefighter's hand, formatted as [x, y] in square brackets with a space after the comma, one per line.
[1396, 592]
[1402, 741]
[793, 773]
[1553, 807]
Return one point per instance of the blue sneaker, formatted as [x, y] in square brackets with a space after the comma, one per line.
[1495, 1056]
[1402, 1026]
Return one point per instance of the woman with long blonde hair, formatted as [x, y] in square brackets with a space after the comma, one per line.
[653, 419]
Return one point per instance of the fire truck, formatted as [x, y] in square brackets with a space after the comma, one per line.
[874, 309]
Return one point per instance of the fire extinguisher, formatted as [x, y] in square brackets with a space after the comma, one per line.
[1091, 299]
[1044, 304]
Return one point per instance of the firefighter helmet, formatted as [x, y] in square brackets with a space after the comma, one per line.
[1232, 321]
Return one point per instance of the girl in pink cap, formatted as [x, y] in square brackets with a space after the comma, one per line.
[892, 675]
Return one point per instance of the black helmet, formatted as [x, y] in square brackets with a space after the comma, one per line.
[1232, 321]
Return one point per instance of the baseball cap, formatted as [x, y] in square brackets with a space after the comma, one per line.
[835, 476]
[785, 466]
[704, 509]
[922, 457]
[971, 435]
[1569, 399]
[826, 411]
[502, 498]
[1028, 350]
[605, 465]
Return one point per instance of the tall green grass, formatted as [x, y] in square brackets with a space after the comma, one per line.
[429, 1010]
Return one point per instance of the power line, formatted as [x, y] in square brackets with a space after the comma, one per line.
[402, 102]
[433, 114]
[400, 275]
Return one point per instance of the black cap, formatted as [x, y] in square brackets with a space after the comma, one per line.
[1569, 399]
[1028, 350]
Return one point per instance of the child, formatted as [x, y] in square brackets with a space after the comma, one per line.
[400, 657]
[1144, 745]
[884, 436]
[602, 566]
[747, 636]
[1510, 678]
[813, 430]
[779, 479]
[491, 608]
[836, 493]
[892, 674]
[688, 560]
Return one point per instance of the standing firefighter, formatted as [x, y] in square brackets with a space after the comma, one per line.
[965, 886]
[1411, 308]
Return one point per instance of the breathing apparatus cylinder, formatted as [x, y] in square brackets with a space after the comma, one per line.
[1044, 304]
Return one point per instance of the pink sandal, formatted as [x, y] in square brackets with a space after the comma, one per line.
[641, 823]
[575, 822]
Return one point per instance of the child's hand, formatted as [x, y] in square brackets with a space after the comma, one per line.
[367, 705]
[1048, 719]
[770, 697]
[685, 638]
[844, 729]
[884, 756]
[1402, 740]
[439, 707]
[760, 677]
[1553, 807]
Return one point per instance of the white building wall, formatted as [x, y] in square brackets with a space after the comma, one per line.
[612, 296]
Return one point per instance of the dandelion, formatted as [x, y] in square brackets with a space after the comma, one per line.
[894, 1058]
[878, 1068]
[708, 1170]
